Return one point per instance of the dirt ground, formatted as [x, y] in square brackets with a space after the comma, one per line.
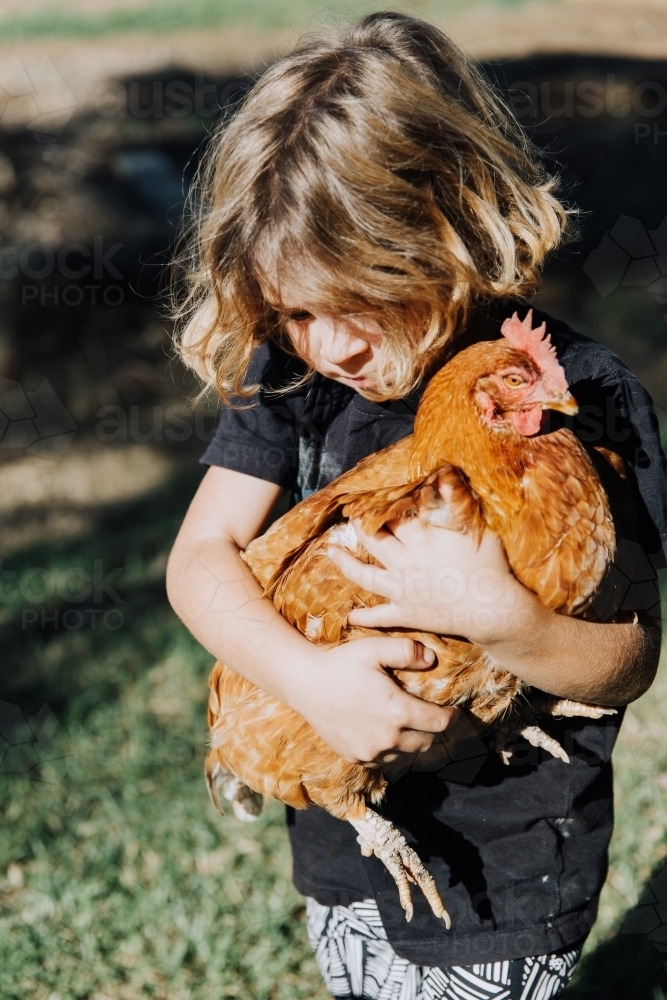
[633, 28]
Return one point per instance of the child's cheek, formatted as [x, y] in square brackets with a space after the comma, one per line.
[302, 342]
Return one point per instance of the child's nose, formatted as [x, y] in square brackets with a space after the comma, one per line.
[340, 343]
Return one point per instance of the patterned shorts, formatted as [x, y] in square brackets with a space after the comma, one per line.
[356, 960]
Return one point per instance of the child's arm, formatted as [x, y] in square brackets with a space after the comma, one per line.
[344, 692]
[605, 663]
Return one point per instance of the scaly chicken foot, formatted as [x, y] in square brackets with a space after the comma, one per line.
[380, 837]
[533, 735]
[579, 709]
[538, 738]
[247, 805]
[564, 708]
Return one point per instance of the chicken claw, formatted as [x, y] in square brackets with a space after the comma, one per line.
[380, 837]
[247, 805]
[532, 734]
[538, 738]
[505, 754]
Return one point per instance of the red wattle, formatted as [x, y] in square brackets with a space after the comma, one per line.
[528, 422]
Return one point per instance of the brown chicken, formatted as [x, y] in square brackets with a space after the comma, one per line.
[475, 461]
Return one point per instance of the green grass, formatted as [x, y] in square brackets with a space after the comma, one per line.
[118, 880]
[117, 877]
[163, 16]
[620, 965]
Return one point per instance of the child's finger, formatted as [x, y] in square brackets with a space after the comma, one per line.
[425, 717]
[392, 651]
[383, 543]
[373, 579]
[381, 616]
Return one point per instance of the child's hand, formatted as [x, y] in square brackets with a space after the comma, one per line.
[359, 710]
[436, 581]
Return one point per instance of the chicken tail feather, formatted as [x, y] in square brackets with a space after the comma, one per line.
[221, 783]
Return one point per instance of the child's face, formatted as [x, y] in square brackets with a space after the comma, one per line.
[343, 348]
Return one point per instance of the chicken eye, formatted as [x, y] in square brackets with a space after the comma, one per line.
[513, 381]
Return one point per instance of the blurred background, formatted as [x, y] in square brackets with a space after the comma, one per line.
[117, 879]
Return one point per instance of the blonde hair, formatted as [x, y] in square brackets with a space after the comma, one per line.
[378, 173]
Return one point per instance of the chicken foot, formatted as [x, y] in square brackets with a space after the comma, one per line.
[579, 710]
[564, 708]
[533, 735]
[538, 738]
[247, 805]
[379, 837]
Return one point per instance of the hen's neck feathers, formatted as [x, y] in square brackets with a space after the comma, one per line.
[449, 429]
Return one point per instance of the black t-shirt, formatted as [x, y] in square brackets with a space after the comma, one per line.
[519, 852]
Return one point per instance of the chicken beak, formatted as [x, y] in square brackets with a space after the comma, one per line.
[565, 403]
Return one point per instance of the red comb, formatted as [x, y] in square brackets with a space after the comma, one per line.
[536, 343]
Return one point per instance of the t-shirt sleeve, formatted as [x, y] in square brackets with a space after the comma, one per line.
[262, 439]
[632, 424]
[616, 412]
[648, 467]
[620, 414]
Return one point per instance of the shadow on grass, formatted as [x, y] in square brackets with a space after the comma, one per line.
[80, 618]
[633, 964]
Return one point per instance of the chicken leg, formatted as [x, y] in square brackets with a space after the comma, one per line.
[380, 837]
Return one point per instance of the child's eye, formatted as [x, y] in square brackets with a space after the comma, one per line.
[298, 316]
[513, 381]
